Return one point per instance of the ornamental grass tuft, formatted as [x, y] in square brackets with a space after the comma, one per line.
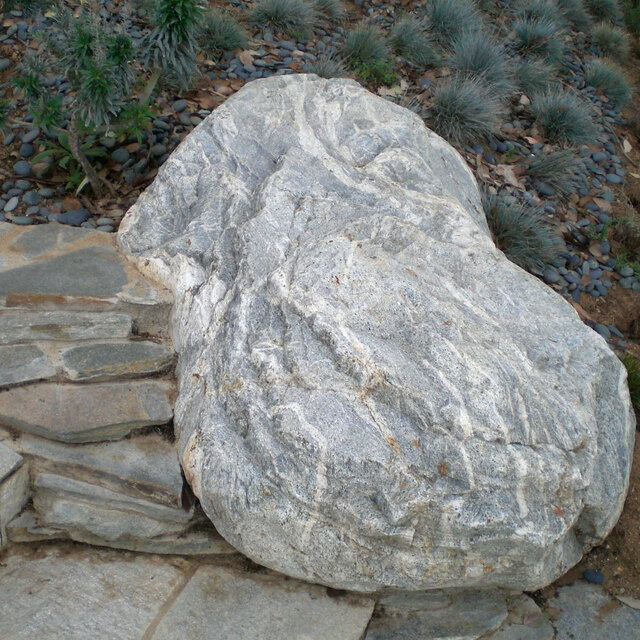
[604, 9]
[521, 233]
[563, 117]
[219, 32]
[611, 41]
[536, 76]
[409, 40]
[557, 169]
[538, 37]
[463, 111]
[475, 54]
[610, 79]
[293, 18]
[332, 10]
[447, 19]
[575, 13]
[327, 66]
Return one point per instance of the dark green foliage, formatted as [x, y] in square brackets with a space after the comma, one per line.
[447, 19]
[219, 33]
[477, 55]
[575, 13]
[327, 66]
[610, 79]
[564, 117]
[29, 83]
[332, 10]
[611, 41]
[134, 119]
[5, 108]
[47, 111]
[632, 365]
[409, 40]
[364, 45]
[289, 17]
[28, 7]
[535, 76]
[463, 111]
[632, 16]
[521, 233]
[171, 45]
[378, 72]
[556, 169]
[604, 9]
[538, 37]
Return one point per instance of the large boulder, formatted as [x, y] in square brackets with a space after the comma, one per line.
[370, 394]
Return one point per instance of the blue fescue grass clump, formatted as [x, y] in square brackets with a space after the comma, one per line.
[219, 32]
[463, 111]
[632, 365]
[476, 54]
[409, 40]
[521, 233]
[610, 79]
[611, 41]
[447, 19]
[332, 10]
[604, 9]
[564, 117]
[293, 18]
[367, 54]
[557, 169]
[327, 66]
[540, 10]
[575, 13]
[535, 76]
[538, 37]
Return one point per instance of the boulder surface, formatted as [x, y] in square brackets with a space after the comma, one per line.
[370, 394]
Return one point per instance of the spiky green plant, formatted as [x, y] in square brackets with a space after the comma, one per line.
[476, 54]
[632, 365]
[170, 48]
[521, 233]
[289, 17]
[611, 41]
[409, 40]
[378, 72]
[332, 10]
[604, 9]
[539, 38]
[5, 109]
[47, 112]
[447, 19]
[631, 11]
[134, 120]
[536, 76]
[575, 13]
[610, 79]
[327, 66]
[219, 32]
[28, 7]
[557, 169]
[563, 116]
[364, 45]
[463, 111]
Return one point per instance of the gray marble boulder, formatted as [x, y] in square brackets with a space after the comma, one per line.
[370, 394]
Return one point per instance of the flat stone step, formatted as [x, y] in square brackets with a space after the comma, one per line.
[58, 267]
[20, 325]
[144, 466]
[196, 540]
[89, 512]
[123, 359]
[14, 489]
[24, 363]
[80, 595]
[86, 413]
[75, 594]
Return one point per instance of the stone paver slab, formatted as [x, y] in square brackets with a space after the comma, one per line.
[588, 613]
[145, 466]
[14, 493]
[438, 615]
[9, 461]
[525, 622]
[220, 603]
[21, 363]
[25, 326]
[80, 595]
[86, 413]
[125, 359]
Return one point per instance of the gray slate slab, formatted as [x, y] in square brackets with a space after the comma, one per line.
[86, 413]
[122, 359]
[24, 363]
[90, 594]
[242, 606]
[26, 326]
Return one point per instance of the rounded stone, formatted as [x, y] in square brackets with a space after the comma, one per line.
[22, 168]
[376, 398]
[11, 204]
[120, 155]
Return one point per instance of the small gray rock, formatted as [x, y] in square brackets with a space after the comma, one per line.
[11, 204]
[120, 155]
[30, 135]
[179, 105]
[27, 150]
[22, 168]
